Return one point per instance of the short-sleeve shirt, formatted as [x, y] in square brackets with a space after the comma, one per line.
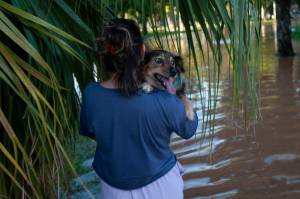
[133, 133]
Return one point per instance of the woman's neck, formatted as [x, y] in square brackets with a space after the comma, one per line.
[111, 83]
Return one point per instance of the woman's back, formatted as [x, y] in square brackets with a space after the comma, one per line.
[133, 133]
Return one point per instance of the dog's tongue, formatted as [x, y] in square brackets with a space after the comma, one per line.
[170, 88]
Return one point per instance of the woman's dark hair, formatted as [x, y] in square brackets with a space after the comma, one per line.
[119, 47]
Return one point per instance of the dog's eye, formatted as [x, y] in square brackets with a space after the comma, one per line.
[172, 63]
[158, 60]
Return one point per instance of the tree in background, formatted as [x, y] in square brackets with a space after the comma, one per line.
[283, 24]
[284, 33]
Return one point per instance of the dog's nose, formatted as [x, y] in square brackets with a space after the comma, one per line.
[172, 71]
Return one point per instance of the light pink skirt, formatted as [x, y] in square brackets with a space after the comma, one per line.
[169, 186]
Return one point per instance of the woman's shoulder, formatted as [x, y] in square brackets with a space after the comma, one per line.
[165, 94]
[155, 93]
[165, 97]
[170, 103]
[90, 88]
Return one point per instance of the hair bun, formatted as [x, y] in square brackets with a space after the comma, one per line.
[119, 49]
[114, 40]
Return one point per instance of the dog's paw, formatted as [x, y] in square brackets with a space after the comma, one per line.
[147, 87]
[190, 113]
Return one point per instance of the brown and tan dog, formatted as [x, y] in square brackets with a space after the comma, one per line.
[162, 69]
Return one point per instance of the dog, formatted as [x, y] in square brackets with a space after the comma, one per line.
[164, 70]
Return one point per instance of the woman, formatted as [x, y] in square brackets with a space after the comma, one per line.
[132, 128]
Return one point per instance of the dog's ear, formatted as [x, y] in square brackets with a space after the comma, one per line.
[179, 63]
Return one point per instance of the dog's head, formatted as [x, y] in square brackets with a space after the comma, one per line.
[162, 68]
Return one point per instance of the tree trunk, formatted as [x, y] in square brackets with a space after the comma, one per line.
[284, 34]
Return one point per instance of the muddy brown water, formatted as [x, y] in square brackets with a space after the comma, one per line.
[261, 163]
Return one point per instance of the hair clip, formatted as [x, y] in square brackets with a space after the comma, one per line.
[110, 49]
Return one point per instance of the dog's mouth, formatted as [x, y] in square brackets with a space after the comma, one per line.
[166, 82]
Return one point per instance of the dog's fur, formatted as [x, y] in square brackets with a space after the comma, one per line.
[162, 65]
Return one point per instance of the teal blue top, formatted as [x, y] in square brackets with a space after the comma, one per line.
[133, 133]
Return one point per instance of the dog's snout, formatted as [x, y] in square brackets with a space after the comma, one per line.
[172, 71]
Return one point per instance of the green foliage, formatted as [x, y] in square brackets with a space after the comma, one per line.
[296, 33]
[45, 43]
[267, 3]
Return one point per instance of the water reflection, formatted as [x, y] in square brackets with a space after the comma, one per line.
[281, 157]
[262, 163]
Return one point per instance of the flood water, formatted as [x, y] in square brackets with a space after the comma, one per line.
[263, 162]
